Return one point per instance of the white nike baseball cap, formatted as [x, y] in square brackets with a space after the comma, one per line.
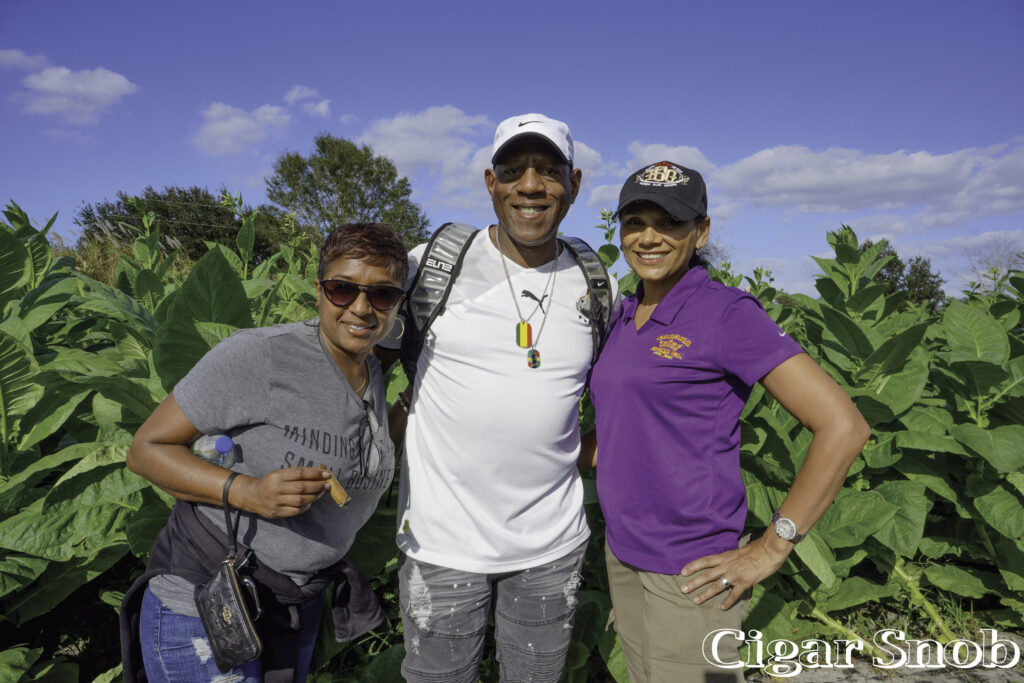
[538, 125]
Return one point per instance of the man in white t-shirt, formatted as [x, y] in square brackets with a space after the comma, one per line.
[491, 502]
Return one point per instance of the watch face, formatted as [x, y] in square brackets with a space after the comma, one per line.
[785, 528]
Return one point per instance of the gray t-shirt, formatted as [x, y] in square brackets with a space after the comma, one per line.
[283, 400]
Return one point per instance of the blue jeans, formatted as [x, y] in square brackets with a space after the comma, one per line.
[175, 649]
[445, 612]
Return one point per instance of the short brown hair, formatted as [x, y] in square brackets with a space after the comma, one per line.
[375, 243]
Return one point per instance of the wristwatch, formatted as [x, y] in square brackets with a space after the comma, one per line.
[786, 528]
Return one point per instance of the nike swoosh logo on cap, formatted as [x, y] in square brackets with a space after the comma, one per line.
[523, 123]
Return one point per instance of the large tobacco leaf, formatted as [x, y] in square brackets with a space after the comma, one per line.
[213, 293]
[1000, 446]
[974, 335]
[78, 519]
[60, 580]
[18, 389]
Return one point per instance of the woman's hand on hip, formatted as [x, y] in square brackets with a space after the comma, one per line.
[734, 571]
[282, 493]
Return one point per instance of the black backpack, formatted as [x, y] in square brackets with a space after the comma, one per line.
[441, 264]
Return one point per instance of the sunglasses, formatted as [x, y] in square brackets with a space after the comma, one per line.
[370, 456]
[343, 293]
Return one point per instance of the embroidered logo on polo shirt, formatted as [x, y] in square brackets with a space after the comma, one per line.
[662, 174]
[669, 345]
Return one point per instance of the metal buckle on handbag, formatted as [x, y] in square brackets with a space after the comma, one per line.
[251, 585]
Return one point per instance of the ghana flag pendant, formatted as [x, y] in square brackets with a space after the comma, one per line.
[524, 335]
[524, 331]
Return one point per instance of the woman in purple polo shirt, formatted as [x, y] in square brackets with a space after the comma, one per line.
[668, 390]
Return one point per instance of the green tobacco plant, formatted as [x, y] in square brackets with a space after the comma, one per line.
[930, 517]
[82, 364]
[931, 507]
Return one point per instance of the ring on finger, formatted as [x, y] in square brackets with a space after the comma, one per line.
[725, 582]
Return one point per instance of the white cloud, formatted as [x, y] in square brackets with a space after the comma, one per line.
[299, 92]
[604, 196]
[80, 97]
[230, 130]
[957, 247]
[438, 141]
[649, 153]
[436, 135]
[901, 191]
[348, 119]
[722, 212]
[321, 108]
[16, 59]
[839, 179]
[995, 186]
[588, 160]
[464, 187]
[876, 226]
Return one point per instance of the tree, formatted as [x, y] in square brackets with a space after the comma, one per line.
[914, 277]
[342, 182]
[187, 217]
[988, 259]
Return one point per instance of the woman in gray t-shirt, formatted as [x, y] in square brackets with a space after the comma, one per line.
[295, 398]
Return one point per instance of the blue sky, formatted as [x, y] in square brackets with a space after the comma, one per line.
[902, 119]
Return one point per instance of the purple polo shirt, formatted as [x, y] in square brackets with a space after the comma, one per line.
[668, 400]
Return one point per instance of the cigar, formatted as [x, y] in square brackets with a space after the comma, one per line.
[338, 493]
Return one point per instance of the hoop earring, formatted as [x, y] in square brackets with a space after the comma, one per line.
[400, 334]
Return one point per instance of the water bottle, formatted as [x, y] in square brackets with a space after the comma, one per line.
[215, 448]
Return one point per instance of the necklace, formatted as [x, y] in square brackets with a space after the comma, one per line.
[366, 380]
[524, 331]
[334, 363]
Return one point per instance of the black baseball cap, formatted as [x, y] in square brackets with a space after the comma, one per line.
[677, 189]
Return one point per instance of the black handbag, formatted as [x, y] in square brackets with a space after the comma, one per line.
[222, 605]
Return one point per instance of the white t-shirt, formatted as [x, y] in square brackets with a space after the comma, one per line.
[489, 481]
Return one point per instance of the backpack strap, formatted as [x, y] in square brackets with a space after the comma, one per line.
[597, 306]
[440, 265]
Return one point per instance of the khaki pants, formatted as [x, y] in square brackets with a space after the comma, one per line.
[662, 630]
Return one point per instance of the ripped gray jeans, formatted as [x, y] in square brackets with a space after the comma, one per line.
[445, 612]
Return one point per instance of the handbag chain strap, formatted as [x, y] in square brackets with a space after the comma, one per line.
[232, 529]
